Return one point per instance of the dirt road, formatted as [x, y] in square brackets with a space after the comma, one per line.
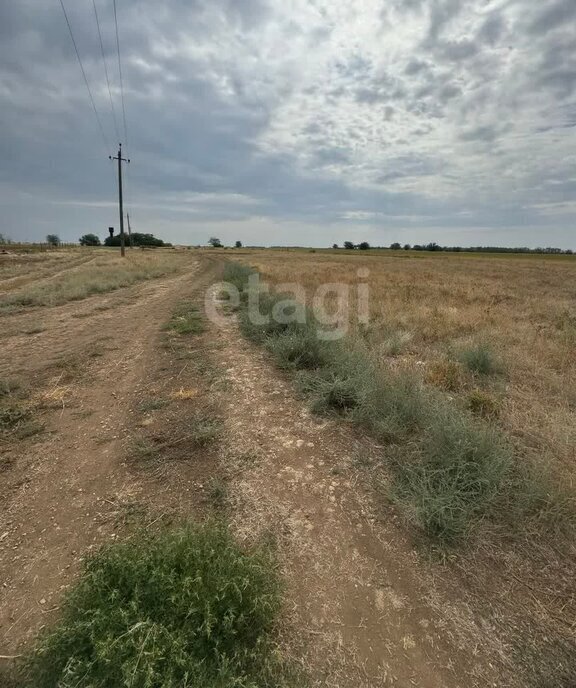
[60, 489]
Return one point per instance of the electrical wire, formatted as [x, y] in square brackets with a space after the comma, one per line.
[106, 70]
[85, 78]
[121, 81]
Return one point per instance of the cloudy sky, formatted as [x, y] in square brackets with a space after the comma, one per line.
[294, 121]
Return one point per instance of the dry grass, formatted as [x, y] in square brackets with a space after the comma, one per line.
[77, 279]
[19, 269]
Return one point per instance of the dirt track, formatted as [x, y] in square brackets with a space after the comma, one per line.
[57, 494]
[361, 608]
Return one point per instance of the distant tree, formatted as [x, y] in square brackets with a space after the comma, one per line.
[214, 242]
[395, 246]
[364, 246]
[238, 244]
[433, 246]
[89, 240]
[334, 245]
[407, 247]
[138, 239]
[53, 240]
[5, 239]
[568, 252]
[349, 245]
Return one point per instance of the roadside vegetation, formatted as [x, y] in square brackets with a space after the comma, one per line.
[186, 319]
[451, 469]
[181, 608]
[103, 274]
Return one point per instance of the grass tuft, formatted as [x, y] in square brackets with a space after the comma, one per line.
[8, 387]
[454, 478]
[186, 320]
[480, 360]
[204, 429]
[11, 417]
[187, 608]
[483, 404]
[298, 349]
[154, 404]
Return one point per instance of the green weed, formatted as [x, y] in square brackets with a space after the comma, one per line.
[186, 320]
[185, 608]
[152, 405]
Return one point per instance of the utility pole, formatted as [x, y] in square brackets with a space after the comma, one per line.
[120, 161]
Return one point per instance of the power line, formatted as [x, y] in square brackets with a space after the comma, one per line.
[120, 72]
[84, 75]
[106, 70]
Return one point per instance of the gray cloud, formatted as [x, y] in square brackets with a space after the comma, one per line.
[255, 117]
[492, 29]
[553, 16]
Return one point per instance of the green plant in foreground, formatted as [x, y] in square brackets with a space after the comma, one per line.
[187, 608]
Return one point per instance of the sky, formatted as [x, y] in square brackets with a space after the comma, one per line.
[293, 122]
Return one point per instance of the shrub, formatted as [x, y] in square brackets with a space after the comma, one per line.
[89, 240]
[237, 274]
[394, 407]
[298, 349]
[260, 331]
[186, 608]
[479, 359]
[330, 391]
[455, 477]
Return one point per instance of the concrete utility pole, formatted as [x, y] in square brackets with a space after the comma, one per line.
[120, 160]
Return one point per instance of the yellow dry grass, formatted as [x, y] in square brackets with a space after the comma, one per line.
[184, 394]
[74, 279]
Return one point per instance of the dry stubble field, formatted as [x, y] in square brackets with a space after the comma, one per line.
[122, 406]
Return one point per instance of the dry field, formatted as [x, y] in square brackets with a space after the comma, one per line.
[426, 311]
[125, 412]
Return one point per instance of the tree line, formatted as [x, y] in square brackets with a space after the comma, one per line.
[433, 246]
